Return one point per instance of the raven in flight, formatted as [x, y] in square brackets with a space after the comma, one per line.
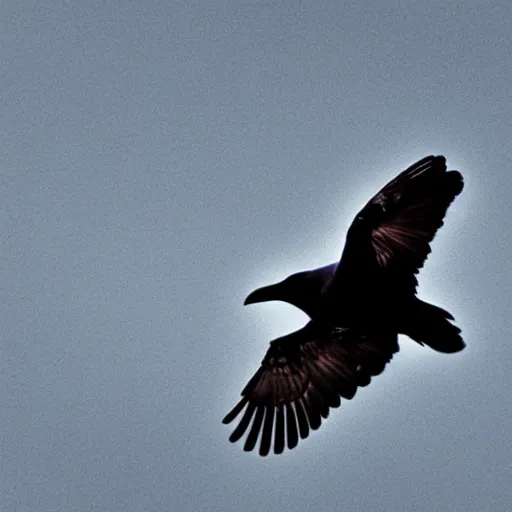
[357, 309]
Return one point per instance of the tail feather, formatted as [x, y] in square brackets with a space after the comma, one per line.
[430, 325]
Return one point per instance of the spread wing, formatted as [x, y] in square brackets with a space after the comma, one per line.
[392, 233]
[302, 376]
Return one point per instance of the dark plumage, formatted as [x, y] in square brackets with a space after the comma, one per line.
[357, 309]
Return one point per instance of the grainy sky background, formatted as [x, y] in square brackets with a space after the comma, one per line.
[159, 160]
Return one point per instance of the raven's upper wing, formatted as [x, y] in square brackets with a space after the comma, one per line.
[302, 375]
[392, 233]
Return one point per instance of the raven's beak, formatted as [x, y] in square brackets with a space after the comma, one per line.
[264, 294]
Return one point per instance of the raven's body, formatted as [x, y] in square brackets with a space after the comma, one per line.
[357, 308]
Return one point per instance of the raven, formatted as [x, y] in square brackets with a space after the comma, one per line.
[357, 309]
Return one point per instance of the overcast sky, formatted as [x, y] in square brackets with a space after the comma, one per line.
[161, 159]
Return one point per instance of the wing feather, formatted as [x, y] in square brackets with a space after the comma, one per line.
[303, 376]
[389, 240]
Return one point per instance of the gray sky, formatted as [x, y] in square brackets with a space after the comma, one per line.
[161, 159]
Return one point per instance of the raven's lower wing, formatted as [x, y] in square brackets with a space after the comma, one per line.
[302, 376]
[390, 237]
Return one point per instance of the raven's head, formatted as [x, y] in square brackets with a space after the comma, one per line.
[302, 290]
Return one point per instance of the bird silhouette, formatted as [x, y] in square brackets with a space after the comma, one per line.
[357, 308]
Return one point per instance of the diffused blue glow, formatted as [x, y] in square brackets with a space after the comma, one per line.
[159, 160]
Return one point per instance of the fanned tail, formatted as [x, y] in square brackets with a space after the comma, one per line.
[430, 325]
